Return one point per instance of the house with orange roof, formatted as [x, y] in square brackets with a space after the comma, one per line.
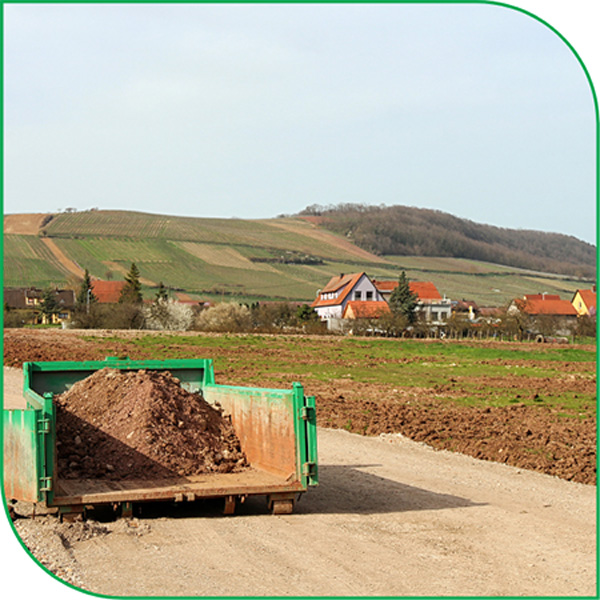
[30, 300]
[537, 307]
[431, 304]
[107, 292]
[584, 302]
[331, 301]
[366, 309]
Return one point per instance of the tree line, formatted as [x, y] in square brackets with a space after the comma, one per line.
[410, 231]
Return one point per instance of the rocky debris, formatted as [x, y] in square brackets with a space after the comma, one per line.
[42, 537]
[118, 425]
[52, 543]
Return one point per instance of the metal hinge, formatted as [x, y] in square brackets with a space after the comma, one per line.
[45, 484]
[309, 469]
[307, 413]
[44, 426]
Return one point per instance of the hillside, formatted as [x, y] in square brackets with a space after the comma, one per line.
[245, 260]
[410, 231]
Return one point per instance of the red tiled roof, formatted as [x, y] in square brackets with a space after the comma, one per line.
[541, 297]
[366, 309]
[385, 286]
[347, 282]
[107, 292]
[425, 290]
[537, 306]
[588, 297]
[490, 311]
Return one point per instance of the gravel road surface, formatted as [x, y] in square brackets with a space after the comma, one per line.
[390, 517]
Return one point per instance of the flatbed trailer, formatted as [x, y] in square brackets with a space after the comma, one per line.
[276, 429]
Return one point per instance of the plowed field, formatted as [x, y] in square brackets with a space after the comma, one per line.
[545, 420]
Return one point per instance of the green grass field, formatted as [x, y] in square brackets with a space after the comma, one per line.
[477, 374]
[212, 259]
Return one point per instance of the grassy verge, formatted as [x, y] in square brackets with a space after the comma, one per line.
[464, 373]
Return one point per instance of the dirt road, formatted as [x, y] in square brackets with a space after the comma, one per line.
[390, 517]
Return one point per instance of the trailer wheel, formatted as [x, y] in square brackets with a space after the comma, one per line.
[282, 507]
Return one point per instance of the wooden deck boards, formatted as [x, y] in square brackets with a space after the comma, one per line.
[249, 482]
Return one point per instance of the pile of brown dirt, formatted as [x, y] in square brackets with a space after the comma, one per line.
[137, 425]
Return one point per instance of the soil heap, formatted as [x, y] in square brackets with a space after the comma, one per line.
[138, 425]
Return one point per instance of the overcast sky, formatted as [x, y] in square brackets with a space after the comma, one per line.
[257, 110]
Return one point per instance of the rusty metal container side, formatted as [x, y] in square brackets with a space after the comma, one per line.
[277, 429]
[264, 423]
[22, 450]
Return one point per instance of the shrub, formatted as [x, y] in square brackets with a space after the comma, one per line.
[109, 316]
[168, 315]
[225, 317]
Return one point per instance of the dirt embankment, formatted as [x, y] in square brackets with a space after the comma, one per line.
[534, 437]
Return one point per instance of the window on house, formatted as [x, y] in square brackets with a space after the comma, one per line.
[357, 295]
[369, 295]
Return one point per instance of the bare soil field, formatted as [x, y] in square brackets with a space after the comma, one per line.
[537, 437]
[25, 224]
[391, 516]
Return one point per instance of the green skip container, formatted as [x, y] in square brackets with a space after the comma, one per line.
[276, 429]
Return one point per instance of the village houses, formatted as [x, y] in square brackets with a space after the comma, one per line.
[539, 307]
[332, 299]
[30, 301]
[434, 308]
[356, 296]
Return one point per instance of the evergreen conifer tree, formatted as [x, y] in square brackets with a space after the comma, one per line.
[49, 303]
[403, 301]
[132, 291]
[85, 296]
[162, 294]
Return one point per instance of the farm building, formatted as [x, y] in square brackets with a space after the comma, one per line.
[468, 308]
